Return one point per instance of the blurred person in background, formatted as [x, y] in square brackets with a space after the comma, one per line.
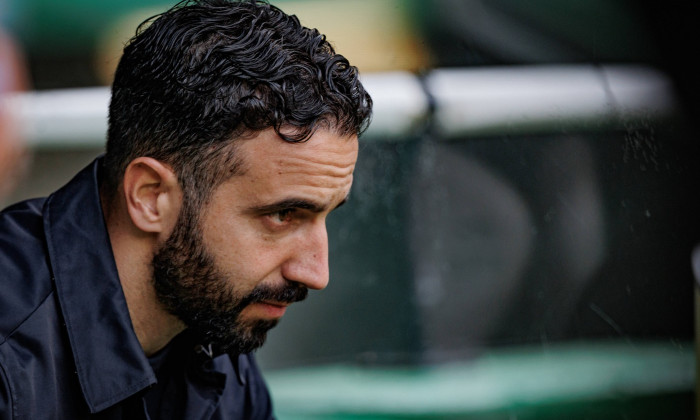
[140, 289]
[13, 78]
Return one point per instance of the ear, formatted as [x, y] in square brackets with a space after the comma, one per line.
[153, 195]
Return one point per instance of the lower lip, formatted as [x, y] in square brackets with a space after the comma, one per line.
[271, 311]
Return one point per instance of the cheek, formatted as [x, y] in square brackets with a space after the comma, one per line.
[244, 256]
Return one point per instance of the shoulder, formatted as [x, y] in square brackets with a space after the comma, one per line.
[25, 279]
[34, 352]
[21, 224]
[25, 214]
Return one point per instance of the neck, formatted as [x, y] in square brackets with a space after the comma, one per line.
[133, 252]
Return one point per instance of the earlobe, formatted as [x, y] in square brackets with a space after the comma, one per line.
[152, 195]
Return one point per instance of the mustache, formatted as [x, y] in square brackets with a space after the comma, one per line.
[289, 292]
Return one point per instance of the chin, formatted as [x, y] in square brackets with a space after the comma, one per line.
[246, 337]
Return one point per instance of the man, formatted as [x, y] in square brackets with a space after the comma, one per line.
[139, 289]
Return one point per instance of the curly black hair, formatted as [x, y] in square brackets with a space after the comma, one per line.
[203, 73]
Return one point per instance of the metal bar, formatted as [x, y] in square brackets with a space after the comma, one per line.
[468, 102]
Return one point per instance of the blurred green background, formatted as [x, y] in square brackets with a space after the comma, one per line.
[75, 43]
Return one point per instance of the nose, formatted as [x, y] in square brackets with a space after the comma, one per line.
[308, 263]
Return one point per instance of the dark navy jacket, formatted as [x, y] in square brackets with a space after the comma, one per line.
[67, 346]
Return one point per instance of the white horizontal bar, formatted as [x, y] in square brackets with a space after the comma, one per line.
[400, 104]
[63, 118]
[527, 98]
[467, 102]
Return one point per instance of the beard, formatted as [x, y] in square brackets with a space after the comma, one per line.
[190, 285]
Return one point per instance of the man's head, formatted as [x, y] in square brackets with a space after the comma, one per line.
[204, 73]
[255, 118]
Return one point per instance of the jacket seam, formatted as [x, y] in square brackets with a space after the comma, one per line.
[21, 322]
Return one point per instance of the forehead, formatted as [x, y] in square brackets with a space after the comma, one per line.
[325, 149]
[324, 164]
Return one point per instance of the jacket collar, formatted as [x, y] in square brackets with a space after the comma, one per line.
[110, 363]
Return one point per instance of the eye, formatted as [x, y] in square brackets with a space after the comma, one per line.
[282, 216]
[279, 219]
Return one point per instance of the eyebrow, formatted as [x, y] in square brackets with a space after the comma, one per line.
[289, 203]
[293, 203]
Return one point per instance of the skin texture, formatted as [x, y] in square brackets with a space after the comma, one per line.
[262, 228]
[269, 224]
